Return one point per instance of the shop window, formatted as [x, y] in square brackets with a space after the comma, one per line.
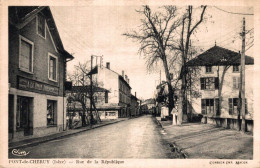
[53, 64]
[51, 112]
[26, 55]
[207, 106]
[41, 28]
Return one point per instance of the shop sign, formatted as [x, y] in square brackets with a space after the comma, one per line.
[30, 85]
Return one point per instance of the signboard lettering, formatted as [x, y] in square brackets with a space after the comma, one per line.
[31, 85]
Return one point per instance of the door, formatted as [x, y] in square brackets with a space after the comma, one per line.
[10, 116]
[25, 115]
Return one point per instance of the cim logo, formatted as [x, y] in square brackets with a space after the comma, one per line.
[18, 152]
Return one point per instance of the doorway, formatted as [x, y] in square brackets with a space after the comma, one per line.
[24, 116]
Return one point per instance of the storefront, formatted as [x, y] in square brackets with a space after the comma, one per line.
[35, 109]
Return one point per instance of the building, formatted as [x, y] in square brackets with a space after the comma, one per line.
[100, 99]
[119, 88]
[37, 70]
[215, 91]
[134, 110]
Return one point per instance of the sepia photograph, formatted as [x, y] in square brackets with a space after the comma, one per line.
[97, 84]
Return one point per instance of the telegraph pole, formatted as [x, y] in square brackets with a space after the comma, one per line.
[242, 101]
[91, 91]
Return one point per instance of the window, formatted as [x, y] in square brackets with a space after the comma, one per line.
[209, 83]
[53, 61]
[41, 25]
[236, 82]
[233, 105]
[235, 68]
[208, 69]
[207, 106]
[26, 55]
[51, 112]
[106, 97]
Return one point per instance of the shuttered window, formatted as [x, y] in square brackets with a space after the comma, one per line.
[236, 82]
[209, 83]
[26, 55]
[207, 106]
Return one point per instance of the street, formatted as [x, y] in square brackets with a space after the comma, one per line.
[133, 138]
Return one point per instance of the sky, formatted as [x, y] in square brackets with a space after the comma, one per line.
[97, 30]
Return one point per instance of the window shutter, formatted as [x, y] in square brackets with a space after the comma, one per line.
[203, 106]
[216, 83]
[202, 83]
[230, 105]
[234, 82]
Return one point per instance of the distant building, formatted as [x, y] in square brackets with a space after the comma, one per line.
[37, 71]
[135, 109]
[213, 86]
[119, 88]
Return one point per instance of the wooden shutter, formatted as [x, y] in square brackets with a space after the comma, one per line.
[234, 82]
[202, 83]
[216, 83]
[230, 105]
[25, 57]
[203, 106]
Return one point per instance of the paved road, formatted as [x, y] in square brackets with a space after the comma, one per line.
[134, 138]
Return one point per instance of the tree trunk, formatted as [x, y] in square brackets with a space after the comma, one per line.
[170, 89]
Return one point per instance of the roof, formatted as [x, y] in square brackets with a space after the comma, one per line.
[122, 78]
[219, 56]
[87, 89]
[19, 16]
[133, 97]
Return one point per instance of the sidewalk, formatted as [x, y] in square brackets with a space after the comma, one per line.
[35, 141]
[205, 141]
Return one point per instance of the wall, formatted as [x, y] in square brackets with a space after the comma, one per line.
[40, 127]
[227, 91]
[109, 80]
[40, 56]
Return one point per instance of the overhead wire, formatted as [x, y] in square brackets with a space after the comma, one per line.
[236, 13]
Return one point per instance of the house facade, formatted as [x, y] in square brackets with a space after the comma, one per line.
[119, 99]
[215, 90]
[134, 110]
[37, 70]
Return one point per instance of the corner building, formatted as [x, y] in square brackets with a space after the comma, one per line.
[37, 73]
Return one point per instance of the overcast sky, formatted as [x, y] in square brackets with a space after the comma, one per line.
[98, 30]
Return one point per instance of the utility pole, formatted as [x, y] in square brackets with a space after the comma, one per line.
[91, 91]
[242, 71]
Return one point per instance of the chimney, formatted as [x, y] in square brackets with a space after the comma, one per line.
[135, 94]
[108, 65]
[123, 74]
[126, 78]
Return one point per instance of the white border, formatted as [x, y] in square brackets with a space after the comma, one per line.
[30, 42]
[57, 65]
[44, 27]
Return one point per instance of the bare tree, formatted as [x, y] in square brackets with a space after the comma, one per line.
[81, 83]
[156, 36]
[187, 29]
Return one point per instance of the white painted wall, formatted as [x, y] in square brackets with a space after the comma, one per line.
[227, 91]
